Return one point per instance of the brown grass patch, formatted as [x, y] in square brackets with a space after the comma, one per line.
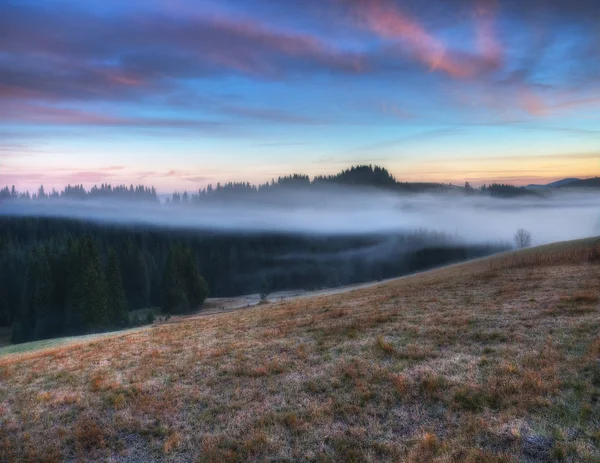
[172, 442]
[384, 346]
[586, 297]
[594, 349]
[401, 384]
[89, 435]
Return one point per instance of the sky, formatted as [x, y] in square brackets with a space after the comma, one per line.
[180, 94]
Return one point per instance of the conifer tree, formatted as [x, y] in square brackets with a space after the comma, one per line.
[87, 307]
[74, 294]
[36, 307]
[118, 314]
[174, 286]
[95, 305]
[197, 289]
[184, 287]
[135, 275]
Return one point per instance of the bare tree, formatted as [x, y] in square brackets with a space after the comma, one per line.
[522, 238]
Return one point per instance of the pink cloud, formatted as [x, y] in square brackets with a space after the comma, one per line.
[385, 20]
[18, 92]
[32, 113]
[559, 102]
[30, 179]
[43, 114]
[125, 80]
[90, 177]
[489, 49]
[197, 179]
[230, 48]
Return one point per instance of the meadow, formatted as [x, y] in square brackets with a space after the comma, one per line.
[490, 361]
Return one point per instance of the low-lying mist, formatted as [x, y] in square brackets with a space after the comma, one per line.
[347, 211]
[165, 255]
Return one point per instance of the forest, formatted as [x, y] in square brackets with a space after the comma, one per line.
[61, 276]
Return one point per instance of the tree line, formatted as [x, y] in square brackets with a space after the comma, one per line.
[499, 190]
[356, 176]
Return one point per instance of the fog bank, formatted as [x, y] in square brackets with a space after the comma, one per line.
[334, 211]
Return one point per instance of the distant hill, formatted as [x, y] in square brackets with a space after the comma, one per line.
[563, 182]
[557, 184]
[569, 183]
[587, 183]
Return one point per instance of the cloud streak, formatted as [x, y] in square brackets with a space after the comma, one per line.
[85, 56]
[388, 22]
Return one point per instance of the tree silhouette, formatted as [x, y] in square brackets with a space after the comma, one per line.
[522, 238]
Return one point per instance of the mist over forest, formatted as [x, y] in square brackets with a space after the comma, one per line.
[80, 261]
[357, 201]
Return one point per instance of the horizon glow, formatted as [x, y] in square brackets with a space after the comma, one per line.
[181, 94]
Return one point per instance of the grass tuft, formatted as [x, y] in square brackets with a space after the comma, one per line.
[586, 297]
[89, 435]
[384, 346]
[172, 442]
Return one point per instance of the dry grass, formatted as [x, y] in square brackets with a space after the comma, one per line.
[496, 360]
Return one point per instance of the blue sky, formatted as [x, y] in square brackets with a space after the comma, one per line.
[179, 93]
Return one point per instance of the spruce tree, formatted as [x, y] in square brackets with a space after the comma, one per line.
[35, 316]
[46, 322]
[74, 294]
[134, 270]
[118, 314]
[95, 305]
[183, 287]
[196, 286]
[175, 298]
[155, 281]
[87, 308]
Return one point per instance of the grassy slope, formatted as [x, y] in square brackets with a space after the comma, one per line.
[56, 342]
[497, 360]
[140, 315]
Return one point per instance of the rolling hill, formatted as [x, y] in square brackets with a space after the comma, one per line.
[493, 360]
[570, 183]
[587, 183]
